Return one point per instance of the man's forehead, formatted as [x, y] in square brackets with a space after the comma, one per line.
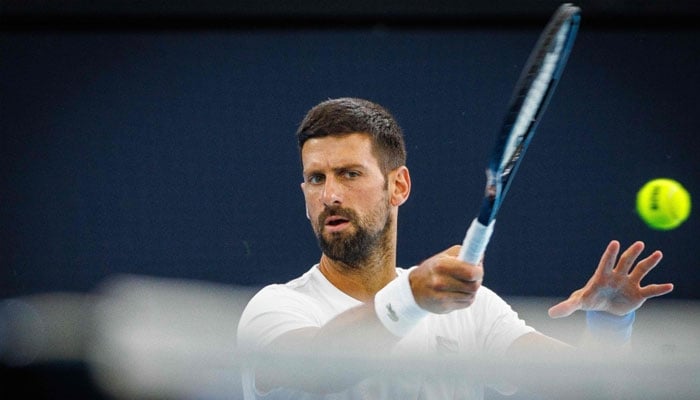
[341, 138]
[352, 148]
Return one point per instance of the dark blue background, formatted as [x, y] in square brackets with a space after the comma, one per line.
[171, 153]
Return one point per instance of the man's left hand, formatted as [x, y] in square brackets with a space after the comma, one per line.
[615, 287]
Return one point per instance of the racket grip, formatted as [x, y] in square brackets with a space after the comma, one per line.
[475, 241]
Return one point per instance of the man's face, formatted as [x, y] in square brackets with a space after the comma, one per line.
[346, 196]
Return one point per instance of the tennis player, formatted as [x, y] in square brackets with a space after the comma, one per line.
[357, 301]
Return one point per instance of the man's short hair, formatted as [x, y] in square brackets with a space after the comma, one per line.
[338, 117]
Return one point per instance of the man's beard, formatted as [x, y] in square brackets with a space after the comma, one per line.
[353, 249]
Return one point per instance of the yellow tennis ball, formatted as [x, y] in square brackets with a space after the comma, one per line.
[663, 204]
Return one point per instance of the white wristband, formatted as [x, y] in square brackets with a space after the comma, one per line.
[396, 307]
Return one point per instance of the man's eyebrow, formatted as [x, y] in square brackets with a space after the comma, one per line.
[350, 166]
[342, 167]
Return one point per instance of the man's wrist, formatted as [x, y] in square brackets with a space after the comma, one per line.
[610, 328]
[396, 307]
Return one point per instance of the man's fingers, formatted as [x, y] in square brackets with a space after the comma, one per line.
[607, 260]
[628, 257]
[643, 267]
[656, 290]
[453, 275]
[453, 251]
[446, 294]
[564, 309]
[457, 286]
[458, 269]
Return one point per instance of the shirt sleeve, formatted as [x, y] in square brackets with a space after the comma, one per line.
[501, 325]
[273, 311]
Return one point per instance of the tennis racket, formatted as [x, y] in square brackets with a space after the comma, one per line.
[529, 100]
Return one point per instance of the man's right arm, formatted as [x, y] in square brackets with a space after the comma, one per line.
[440, 284]
[356, 331]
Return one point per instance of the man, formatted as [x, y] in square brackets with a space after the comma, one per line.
[356, 300]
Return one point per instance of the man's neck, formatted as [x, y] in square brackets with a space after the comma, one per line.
[361, 281]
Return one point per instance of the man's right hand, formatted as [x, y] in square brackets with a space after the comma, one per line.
[443, 283]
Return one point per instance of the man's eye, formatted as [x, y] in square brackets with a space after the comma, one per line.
[352, 174]
[315, 179]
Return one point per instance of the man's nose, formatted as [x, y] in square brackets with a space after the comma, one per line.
[332, 193]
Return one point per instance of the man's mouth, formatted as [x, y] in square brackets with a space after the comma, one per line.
[335, 223]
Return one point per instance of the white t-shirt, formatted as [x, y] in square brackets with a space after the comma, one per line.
[487, 327]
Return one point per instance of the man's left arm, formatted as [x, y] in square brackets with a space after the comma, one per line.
[615, 287]
[610, 298]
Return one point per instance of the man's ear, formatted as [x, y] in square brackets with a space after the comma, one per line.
[305, 205]
[400, 185]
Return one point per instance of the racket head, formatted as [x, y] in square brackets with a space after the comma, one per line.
[529, 100]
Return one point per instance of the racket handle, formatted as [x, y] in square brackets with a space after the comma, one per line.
[475, 241]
